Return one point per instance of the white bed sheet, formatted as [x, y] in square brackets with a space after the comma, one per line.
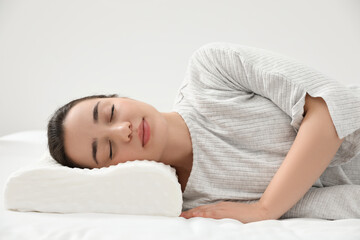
[20, 149]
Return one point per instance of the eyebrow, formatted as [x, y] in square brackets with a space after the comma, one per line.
[94, 143]
[94, 149]
[95, 112]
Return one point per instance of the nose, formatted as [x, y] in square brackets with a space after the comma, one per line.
[122, 130]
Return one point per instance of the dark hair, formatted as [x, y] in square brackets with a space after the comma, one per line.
[55, 131]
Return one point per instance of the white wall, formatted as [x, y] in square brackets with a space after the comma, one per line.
[54, 51]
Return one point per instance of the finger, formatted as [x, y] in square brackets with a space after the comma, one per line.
[191, 213]
[212, 212]
[197, 213]
[200, 211]
[186, 214]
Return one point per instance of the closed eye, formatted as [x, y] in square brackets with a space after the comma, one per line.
[112, 112]
[110, 149]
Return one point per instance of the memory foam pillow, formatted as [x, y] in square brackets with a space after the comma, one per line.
[136, 187]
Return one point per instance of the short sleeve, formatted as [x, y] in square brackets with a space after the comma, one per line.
[285, 82]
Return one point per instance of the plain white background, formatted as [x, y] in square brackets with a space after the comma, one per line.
[54, 51]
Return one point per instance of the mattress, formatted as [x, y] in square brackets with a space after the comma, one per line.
[24, 148]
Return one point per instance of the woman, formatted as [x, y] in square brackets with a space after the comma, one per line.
[253, 135]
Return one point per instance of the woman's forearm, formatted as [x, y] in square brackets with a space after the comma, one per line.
[314, 147]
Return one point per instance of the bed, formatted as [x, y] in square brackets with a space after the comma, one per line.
[24, 148]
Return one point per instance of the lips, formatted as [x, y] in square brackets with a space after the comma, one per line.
[141, 132]
[144, 132]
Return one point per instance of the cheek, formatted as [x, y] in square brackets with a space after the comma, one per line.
[127, 155]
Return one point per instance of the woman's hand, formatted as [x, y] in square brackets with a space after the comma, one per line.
[244, 212]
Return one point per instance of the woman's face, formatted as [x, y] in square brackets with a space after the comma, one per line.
[90, 142]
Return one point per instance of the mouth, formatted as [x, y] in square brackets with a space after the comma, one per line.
[144, 132]
[141, 132]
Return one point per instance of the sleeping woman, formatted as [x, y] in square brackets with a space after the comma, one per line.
[253, 135]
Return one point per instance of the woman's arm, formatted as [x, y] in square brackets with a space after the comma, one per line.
[314, 147]
[226, 66]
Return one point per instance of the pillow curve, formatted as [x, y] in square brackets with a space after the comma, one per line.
[140, 187]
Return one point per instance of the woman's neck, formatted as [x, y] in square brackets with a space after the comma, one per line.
[178, 151]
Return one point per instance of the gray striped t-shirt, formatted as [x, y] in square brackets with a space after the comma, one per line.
[243, 107]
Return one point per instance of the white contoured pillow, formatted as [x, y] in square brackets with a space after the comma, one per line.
[136, 187]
